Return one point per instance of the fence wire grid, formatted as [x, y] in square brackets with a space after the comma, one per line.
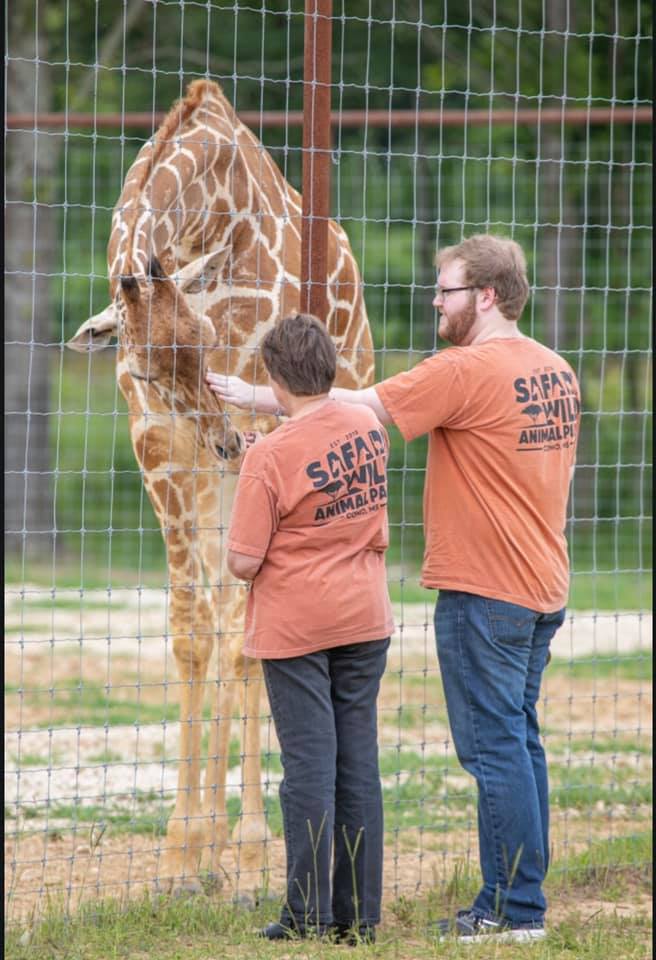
[92, 690]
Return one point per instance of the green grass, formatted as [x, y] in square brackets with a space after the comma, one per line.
[75, 573]
[631, 666]
[116, 821]
[415, 785]
[147, 815]
[620, 744]
[205, 928]
[25, 629]
[394, 761]
[594, 865]
[409, 716]
[585, 785]
[88, 704]
[611, 591]
[605, 590]
[636, 665]
[424, 786]
[31, 760]
[107, 756]
[64, 603]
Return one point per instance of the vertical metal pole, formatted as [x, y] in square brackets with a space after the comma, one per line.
[316, 157]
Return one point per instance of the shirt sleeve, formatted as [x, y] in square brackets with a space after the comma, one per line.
[254, 517]
[428, 396]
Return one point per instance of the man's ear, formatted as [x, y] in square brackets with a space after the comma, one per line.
[197, 275]
[490, 296]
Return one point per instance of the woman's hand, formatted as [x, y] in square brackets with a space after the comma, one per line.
[246, 396]
[231, 390]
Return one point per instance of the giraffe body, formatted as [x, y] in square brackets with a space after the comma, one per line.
[204, 257]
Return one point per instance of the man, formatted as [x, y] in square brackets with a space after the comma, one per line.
[309, 529]
[502, 414]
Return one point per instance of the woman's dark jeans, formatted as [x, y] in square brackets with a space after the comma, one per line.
[324, 709]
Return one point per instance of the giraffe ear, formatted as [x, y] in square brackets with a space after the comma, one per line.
[207, 331]
[155, 269]
[96, 332]
[130, 287]
[198, 274]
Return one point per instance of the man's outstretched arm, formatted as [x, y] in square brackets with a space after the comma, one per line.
[262, 399]
[367, 396]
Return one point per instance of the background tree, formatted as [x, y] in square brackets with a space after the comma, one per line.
[30, 169]
[578, 199]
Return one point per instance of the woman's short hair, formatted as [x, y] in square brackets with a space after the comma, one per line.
[300, 355]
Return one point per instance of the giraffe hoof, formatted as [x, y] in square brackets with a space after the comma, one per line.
[265, 898]
[211, 883]
[162, 888]
[259, 898]
[244, 901]
[190, 888]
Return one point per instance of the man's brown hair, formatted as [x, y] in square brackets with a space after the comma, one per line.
[491, 261]
[299, 355]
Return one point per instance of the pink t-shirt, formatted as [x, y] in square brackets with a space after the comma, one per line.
[502, 419]
[312, 503]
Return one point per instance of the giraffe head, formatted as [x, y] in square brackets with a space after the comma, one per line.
[166, 343]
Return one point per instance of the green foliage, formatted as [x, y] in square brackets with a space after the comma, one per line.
[578, 199]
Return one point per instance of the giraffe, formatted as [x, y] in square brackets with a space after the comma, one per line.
[204, 257]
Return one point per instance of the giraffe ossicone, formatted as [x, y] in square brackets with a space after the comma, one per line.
[206, 235]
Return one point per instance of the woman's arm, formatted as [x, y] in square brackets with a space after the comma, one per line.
[242, 566]
[244, 395]
[240, 394]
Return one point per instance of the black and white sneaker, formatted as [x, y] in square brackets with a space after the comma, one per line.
[468, 927]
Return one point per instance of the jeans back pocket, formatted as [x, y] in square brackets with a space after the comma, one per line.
[510, 623]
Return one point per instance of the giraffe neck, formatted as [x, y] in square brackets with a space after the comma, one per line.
[196, 189]
[204, 183]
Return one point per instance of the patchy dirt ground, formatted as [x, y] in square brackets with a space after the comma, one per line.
[71, 869]
[91, 721]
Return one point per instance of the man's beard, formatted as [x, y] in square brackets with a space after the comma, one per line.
[459, 325]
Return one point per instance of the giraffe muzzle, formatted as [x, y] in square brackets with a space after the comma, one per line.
[227, 444]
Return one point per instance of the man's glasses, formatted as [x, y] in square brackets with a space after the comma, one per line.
[444, 291]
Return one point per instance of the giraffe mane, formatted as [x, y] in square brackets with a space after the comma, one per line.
[175, 119]
[197, 91]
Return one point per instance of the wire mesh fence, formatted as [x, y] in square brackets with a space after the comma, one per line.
[93, 690]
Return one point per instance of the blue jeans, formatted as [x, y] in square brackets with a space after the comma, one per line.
[492, 655]
[324, 710]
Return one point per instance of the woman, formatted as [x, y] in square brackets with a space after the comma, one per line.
[309, 530]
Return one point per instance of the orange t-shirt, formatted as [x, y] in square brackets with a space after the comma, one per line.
[312, 502]
[502, 419]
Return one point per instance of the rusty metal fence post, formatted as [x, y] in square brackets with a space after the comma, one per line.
[316, 156]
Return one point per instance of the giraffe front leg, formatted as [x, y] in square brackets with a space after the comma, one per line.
[186, 833]
[251, 835]
[228, 601]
